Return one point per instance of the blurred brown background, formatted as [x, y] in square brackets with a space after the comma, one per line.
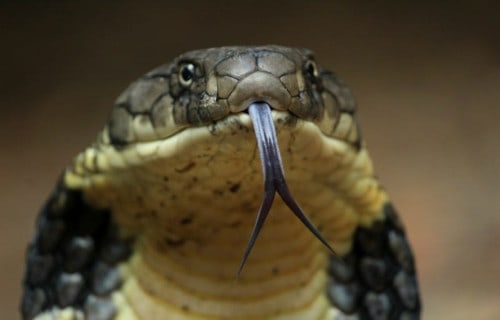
[426, 75]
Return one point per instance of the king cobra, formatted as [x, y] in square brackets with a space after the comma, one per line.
[172, 213]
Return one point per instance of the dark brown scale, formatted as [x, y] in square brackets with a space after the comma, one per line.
[378, 306]
[50, 234]
[99, 308]
[344, 296]
[33, 302]
[406, 287]
[342, 270]
[409, 316]
[114, 248]
[78, 253]
[68, 288]
[374, 273]
[39, 267]
[105, 278]
[372, 240]
[401, 249]
[118, 126]
[63, 265]
[381, 268]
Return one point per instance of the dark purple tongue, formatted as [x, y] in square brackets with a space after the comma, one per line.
[274, 177]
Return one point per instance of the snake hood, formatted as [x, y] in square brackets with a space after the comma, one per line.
[151, 221]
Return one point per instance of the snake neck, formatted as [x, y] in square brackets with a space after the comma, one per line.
[193, 276]
[192, 210]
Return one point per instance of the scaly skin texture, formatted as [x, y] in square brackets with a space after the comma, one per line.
[151, 221]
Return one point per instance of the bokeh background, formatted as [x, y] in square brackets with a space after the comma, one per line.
[426, 76]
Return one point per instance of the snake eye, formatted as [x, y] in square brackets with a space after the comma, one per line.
[311, 69]
[186, 74]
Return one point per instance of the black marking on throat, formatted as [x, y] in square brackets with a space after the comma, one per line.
[274, 177]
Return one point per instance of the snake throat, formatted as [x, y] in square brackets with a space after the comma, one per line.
[274, 177]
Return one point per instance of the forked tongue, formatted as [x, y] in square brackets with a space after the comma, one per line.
[274, 176]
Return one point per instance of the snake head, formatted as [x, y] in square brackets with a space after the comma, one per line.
[204, 86]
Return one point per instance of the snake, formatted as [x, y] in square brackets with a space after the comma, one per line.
[231, 183]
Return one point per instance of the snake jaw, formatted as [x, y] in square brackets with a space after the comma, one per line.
[274, 177]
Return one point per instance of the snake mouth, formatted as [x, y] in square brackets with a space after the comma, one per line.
[274, 177]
